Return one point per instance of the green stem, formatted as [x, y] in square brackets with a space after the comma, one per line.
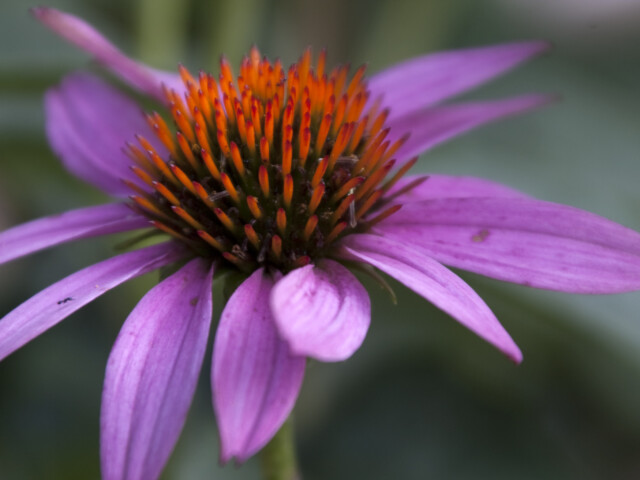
[278, 457]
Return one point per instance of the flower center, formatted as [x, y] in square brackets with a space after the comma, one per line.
[267, 168]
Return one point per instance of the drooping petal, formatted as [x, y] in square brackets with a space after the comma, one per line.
[422, 82]
[84, 36]
[526, 241]
[448, 186]
[255, 378]
[58, 301]
[435, 125]
[88, 124]
[73, 225]
[434, 282]
[152, 374]
[322, 311]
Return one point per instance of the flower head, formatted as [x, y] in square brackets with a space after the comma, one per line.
[268, 169]
[290, 176]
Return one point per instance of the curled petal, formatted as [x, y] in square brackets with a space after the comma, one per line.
[422, 82]
[88, 124]
[73, 225]
[255, 378]
[57, 302]
[434, 282]
[152, 374]
[84, 36]
[323, 312]
[436, 125]
[520, 240]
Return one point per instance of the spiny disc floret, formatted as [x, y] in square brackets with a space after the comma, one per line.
[266, 168]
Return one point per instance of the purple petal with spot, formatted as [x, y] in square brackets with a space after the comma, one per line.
[84, 36]
[152, 374]
[434, 282]
[255, 378]
[522, 240]
[422, 82]
[322, 311]
[73, 225]
[88, 123]
[448, 186]
[433, 126]
[57, 302]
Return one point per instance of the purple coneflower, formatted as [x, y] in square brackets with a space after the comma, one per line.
[290, 176]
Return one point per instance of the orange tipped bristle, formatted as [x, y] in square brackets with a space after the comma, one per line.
[316, 198]
[252, 235]
[320, 171]
[187, 218]
[264, 150]
[337, 230]
[237, 160]
[287, 191]
[310, 226]
[210, 164]
[166, 193]
[229, 187]
[263, 178]
[182, 178]
[276, 246]
[254, 207]
[281, 221]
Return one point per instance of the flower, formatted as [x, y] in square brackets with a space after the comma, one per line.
[287, 177]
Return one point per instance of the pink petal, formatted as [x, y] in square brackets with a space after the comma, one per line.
[322, 312]
[434, 282]
[88, 124]
[57, 302]
[73, 225]
[152, 374]
[422, 82]
[255, 378]
[525, 241]
[84, 36]
[436, 125]
[447, 186]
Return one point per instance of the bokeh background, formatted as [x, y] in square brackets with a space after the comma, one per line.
[423, 398]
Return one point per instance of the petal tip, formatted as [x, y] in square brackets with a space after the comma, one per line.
[223, 458]
[540, 47]
[515, 355]
[48, 15]
[40, 11]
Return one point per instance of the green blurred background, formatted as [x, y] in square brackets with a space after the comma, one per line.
[423, 398]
